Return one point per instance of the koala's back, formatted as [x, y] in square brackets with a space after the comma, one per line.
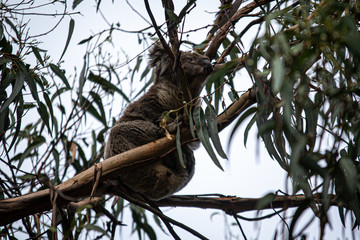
[140, 124]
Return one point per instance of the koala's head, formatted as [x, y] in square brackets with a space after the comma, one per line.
[196, 67]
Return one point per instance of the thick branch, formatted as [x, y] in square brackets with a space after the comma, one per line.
[232, 205]
[80, 185]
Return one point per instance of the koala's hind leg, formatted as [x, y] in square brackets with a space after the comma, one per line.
[130, 134]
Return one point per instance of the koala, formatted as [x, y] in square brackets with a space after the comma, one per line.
[140, 124]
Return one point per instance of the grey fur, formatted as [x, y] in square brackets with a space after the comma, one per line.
[140, 124]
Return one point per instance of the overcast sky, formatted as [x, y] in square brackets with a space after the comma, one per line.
[249, 172]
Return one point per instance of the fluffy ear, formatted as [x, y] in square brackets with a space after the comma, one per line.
[159, 58]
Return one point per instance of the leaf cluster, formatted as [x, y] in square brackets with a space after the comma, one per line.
[308, 101]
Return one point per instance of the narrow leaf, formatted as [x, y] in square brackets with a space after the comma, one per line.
[210, 117]
[278, 70]
[19, 83]
[191, 122]
[203, 135]
[241, 119]
[37, 55]
[70, 33]
[35, 144]
[106, 84]
[82, 78]
[76, 3]
[60, 74]
[44, 115]
[248, 127]
[178, 146]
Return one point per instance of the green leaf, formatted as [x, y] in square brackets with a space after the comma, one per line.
[37, 55]
[278, 70]
[311, 114]
[49, 105]
[19, 116]
[191, 122]
[44, 115]
[172, 16]
[106, 84]
[86, 104]
[100, 105]
[303, 206]
[348, 169]
[248, 127]
[19, 83]
[137, 66]
[91, 227]
[265, 133]
[203, 135]
[178, 146]
[60, 74]
[342, 215]
[37, 142]
[210, 117]
[82, 78]
[76, 3]
[70, 33]
[1, 30]
[241, 119]
[265, 201]
[85, 40]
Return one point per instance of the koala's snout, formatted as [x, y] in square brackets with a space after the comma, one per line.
[208, 68]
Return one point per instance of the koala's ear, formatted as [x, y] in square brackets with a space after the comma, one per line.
[159, 58]
[155, 54]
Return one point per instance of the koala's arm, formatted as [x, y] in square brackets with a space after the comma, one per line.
[130, 134]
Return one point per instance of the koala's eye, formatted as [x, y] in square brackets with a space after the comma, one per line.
[190, 58]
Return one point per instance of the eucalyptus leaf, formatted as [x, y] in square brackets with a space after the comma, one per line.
[203, 135]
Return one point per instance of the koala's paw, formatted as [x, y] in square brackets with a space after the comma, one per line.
[172, 127]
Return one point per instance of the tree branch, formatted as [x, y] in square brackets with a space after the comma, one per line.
[80, 185]
[232, 205]
[224, 30]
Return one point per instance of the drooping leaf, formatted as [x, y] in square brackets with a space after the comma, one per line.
[191, 121]
[49, 106]
[99, 103]
[178, 146]
[19, 83]
[210, 116]
[107, 85]
[70, 33]
[19, 116]
[248, 127]
[278, 70]
[297, 215]
[76, 3]
[44, 115]
[60, 74]
[37, 142]
[202, 133]
[243, 116]
[82, 78]
[37, 55]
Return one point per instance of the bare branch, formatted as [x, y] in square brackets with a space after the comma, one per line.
[232, 205]
[223, 31]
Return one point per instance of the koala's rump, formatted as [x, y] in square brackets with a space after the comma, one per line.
[155, 180]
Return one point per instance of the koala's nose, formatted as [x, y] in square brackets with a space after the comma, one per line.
[207, 66]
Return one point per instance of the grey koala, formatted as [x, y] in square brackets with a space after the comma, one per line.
[140, 124]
